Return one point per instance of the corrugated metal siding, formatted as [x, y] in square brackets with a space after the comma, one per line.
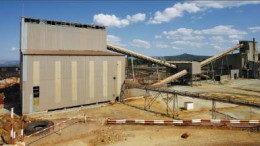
[74, 78]
[52, 37]
[36, 73]
[57, 82]
[91, 76]
[105, 81]
[70, 80]
[91, 79]
[119, 77]
[24, 36]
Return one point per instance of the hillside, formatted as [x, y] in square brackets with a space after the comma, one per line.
[186, 57]
[4, 63]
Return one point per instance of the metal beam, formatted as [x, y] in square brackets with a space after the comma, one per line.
[200, 96]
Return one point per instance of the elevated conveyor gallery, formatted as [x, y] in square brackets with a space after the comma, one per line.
[215, 57]
[140, 56]
[164, 63]
[157, 87]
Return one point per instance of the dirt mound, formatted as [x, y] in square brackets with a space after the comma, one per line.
[5, 126]
[9, 82]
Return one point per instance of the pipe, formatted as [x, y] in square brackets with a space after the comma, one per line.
[213, 58]
[137, 55]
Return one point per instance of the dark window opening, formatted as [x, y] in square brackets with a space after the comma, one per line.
[36, 92]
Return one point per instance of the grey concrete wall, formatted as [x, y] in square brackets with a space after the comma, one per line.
[66, 81]
[192, 67]
[233, 72]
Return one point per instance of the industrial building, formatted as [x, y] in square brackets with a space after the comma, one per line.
[243, 64]
[193, 68]
[66, 64]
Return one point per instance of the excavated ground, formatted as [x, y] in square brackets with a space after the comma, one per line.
[96, 132]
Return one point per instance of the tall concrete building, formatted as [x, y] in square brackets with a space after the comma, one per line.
[66, 64]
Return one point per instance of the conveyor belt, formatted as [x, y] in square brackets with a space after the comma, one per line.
[236, 101]
[169, 79]
[215, 57]
[140, 56]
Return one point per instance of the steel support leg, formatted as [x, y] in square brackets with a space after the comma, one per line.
[213, 110]
[167, 104]
[145, 98]
[175, 107]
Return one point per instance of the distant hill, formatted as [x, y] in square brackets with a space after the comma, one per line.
[185, 57]
[5, 63]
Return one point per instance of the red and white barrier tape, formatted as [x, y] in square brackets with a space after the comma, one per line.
[57, 124]
[193, 121]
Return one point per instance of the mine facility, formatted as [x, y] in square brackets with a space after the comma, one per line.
[67, 64]
[72, 86]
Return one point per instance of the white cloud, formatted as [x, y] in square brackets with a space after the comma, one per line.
[179, 9]
[177, 48]
[223, 4]
[221, 30]
[14, 49]
[217, 39]
[235, 36]
[254, 29]
[110, 20]
[161, 45]
[188, 44]
[158, 36]
[140, 44]
[216, 33]
[217, 47]
[182, 34]
[136, 18]
[175, 11]
[114, 21]
[114, 40]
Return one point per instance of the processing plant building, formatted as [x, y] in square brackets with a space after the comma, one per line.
[242, 64]
[66, 64]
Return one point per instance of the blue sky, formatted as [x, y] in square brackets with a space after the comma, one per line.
[154, 28]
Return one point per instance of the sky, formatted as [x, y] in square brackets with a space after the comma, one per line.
[154, 28]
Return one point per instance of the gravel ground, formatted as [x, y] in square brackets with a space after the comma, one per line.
[96, 132]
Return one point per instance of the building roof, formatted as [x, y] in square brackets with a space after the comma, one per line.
[62, 23]
[69, 53]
